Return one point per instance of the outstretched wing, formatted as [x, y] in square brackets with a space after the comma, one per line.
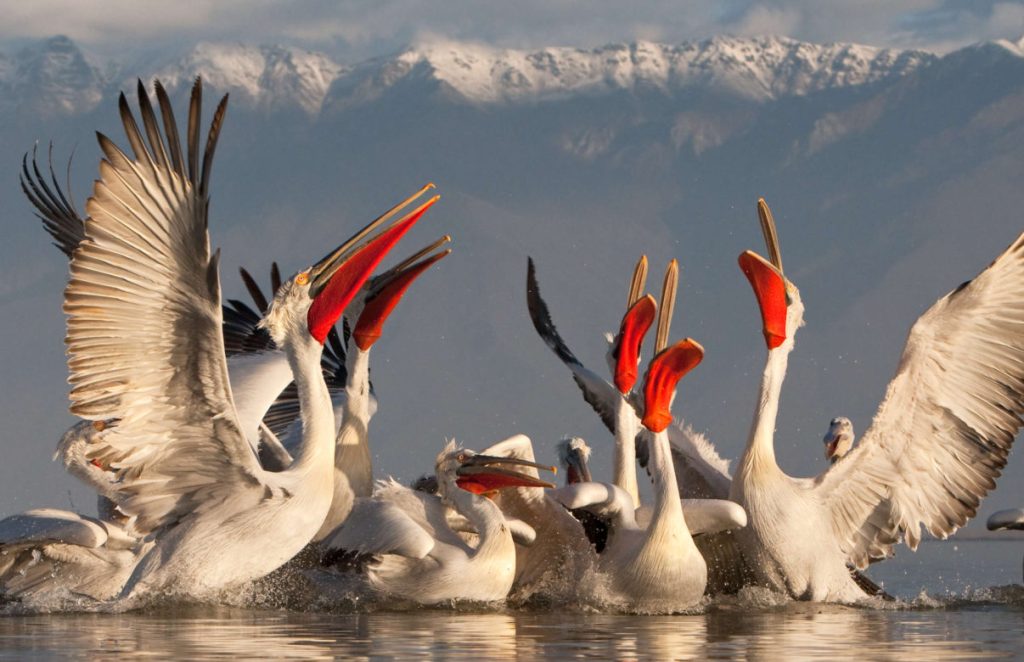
[941, 436]
[598, 393]
[144, 325]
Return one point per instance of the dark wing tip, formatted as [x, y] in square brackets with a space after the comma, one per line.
[541, 318]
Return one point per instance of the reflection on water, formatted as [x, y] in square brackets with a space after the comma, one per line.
[955, 621]
[805, 631]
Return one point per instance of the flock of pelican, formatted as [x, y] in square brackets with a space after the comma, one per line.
[228, 440]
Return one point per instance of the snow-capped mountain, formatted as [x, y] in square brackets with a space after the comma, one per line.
[51, 78]
[58, 78]
[756, 69]
[267, 77]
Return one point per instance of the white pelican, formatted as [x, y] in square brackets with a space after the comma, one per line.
[555, 560]
[574, 458]
[656, 567]
[355, 406]
[613, 402]
[938, 441]
[257, 368]
[188, 477]
[416, 553]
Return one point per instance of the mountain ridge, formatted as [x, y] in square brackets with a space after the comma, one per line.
[60, 78]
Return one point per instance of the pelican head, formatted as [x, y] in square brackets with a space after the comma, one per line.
[461, 468]
[839, 438]
[782, 310]
[574, 455]
[72, 449]
[320, 294]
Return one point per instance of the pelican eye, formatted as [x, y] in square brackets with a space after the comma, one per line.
[302, 278]
[461, 457]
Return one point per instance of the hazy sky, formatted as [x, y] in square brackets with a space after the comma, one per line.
[363, 28]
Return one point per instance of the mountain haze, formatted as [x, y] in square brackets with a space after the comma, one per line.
[894, 176]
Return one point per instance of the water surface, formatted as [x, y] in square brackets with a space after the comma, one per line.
[961, 613]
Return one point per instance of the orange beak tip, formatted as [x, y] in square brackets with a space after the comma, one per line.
[635, 324]
[770, 290]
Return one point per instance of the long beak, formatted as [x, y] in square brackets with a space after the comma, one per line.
[831, 441]
[830, 449]
[387, 289]
[322, 271]
[663, 374]
[479, 474]
[577, 469]
[636, 286]
[771, 236]
[336, 279]
[635, 324]
[668, 304]
[770, 289]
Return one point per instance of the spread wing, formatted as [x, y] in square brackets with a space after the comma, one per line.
[380, 526]
[598, 393]
[941, 436]
[144, 325]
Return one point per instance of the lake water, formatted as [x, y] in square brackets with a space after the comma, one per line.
[958, 599]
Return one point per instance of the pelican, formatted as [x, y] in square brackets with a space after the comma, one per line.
[657, 567]
[188, 477]
[574, 458]
[258, 369]
[618, 406]
[938, 441]
[417, 554]
[355, 406]
[839, 439]
[555, 560]
[614, 403]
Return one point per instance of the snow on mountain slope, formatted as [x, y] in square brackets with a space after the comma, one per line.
[59, 77]
[270, 77]
[50, 78]
[757, 69]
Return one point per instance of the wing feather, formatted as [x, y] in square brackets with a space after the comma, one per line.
[702, 473]
[144, 332]
[942, 434]
[597, 392]
[59, 216]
